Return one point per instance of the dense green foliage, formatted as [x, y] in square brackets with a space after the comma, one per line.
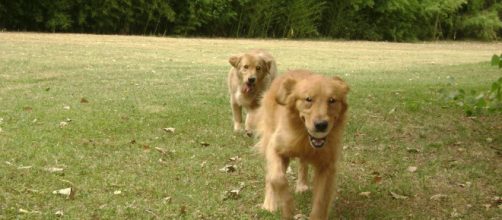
[475, 102]
[395, 20]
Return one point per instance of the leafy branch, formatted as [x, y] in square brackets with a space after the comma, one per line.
[474, 102]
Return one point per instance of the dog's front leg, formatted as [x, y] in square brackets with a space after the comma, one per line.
[250, 124]
[301, 183]
[324, 179]
[237, 115]
[276, 189]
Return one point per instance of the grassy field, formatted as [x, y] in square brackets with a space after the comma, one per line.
[95, 107]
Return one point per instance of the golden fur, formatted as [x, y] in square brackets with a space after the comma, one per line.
[257, 64]
[302, 116]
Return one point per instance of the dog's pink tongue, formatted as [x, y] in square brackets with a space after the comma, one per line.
[245, 88]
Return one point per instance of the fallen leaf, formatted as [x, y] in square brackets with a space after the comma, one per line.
[392, 111]
[412, 169]
[183, 209]
[489, 140]
[497, 199]
[229, 168]
[27, 109]
[232, 194]
[68, 192]
[161, 150]
[84, 100]
[487, 206]
[366, 194]
[24, 167]
[301, 217]
[169, 130]
[454, 213]
[117, 192]
[236, 158]
[153, 213]
[377, 179]
[23, 211]
[32, 190]
[397, 196]
[167, 199]
[132, 141]
[162, 161]
[203, 164]
[66, 107]
[63, 124]
[59, 213]
[204, 144]
[242, 185]
[65, 191]
[54, 170]
[438, 197]
[412, 150]
[465, 185]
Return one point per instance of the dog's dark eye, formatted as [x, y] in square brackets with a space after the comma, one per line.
[258, 68]
[331, 100]
[308, 99]
[246, 66]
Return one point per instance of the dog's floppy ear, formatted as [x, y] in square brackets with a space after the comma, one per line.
[285, 90]
[340, 83]
[234, 60]
[268, 63]
[345, 89]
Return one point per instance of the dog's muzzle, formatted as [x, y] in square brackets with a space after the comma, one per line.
[317, 142]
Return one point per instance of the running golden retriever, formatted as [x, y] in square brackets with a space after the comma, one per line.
[302, 116]
[251, 74]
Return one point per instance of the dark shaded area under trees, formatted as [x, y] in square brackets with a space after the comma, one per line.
[392, 20]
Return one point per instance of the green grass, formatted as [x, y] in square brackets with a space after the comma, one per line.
[135, 86]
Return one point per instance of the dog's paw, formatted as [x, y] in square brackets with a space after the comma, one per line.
[237, 127]
[300, 188]
[269, 205]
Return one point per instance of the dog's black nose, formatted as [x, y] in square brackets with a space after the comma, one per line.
[321, 126]
[251, 80]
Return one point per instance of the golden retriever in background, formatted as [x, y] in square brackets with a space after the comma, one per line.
[302, 116]
[251, 74]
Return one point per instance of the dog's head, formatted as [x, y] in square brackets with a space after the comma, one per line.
[319, 101]
[251, 69]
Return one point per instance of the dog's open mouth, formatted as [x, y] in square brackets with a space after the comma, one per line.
[317, 142]
[247, 88]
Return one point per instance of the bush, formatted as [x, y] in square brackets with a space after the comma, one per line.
[474, 102]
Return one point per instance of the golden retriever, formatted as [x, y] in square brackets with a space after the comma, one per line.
[251, 74]
[302, 116]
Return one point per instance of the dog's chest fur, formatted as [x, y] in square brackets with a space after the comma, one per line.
[247, 100]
